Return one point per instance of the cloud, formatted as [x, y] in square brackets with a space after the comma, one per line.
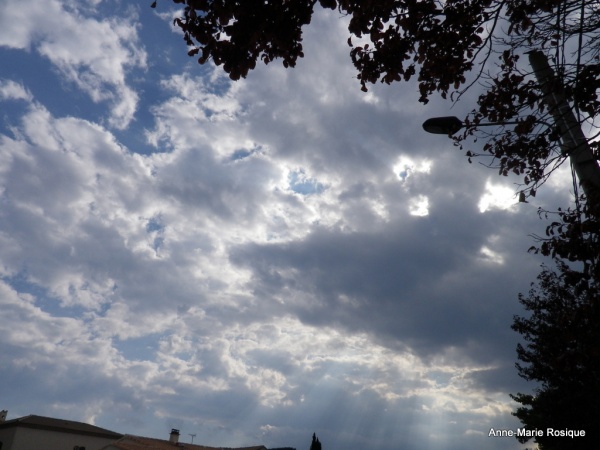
[175, 251]
[497, 196]
[57, 204]
[95, 54]
[247, 268]
[11, 90]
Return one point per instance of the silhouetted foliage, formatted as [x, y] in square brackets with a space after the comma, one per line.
[315, 444]
[562, 335]
[446, 45]
[574, 237]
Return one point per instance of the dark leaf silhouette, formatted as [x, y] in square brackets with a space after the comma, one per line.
[561, 333]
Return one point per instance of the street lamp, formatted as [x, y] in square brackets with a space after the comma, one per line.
[443, 125]
[451, 124]
[573, 140]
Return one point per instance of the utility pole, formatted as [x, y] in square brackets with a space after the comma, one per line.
[574, 142]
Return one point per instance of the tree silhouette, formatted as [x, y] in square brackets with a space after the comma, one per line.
[315, 444]
[447, 46]
[562, 335]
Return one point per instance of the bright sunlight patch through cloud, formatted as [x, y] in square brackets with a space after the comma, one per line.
[419, 206]
[497, 196]
[406, 167]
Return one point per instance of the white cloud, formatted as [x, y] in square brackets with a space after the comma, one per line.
[67, 179]
[497, 196]
[419, 206]
[95, 54]
[491, 256]
[407, 166]
[11, 90]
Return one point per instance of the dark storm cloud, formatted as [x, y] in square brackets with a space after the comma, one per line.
[416, 282]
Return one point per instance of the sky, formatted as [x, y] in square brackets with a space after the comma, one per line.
[250, 261]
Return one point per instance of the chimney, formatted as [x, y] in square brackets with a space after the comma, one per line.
[3, 414]
[174, 436]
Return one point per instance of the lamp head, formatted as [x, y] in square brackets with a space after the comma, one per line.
[443, 125]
